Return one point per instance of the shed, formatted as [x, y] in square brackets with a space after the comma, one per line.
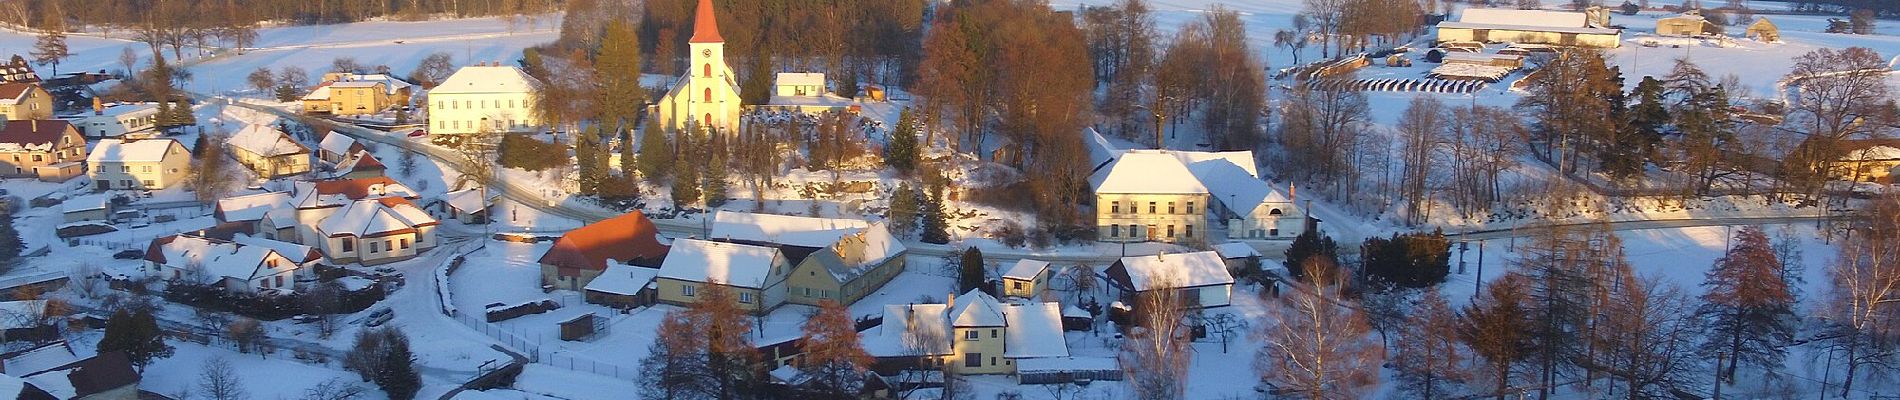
[92, 207]
[1689, 24]
[1027, 279]
[1764, 31]
[622, 286]
[577, 328]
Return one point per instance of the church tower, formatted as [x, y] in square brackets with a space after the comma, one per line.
[708, 93]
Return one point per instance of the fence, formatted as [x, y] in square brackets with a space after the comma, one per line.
[590, 366]
[517, 341]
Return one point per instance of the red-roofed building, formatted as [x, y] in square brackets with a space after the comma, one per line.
[582, 254]
[360, 165]
[50, 150]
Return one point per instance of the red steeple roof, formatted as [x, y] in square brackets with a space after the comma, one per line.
[705, 26]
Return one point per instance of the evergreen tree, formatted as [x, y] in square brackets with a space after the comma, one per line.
[848, 84]
[903, 214]
[936, 225]
[1497, 328]
[972, 274]
[629, 162]
[1748, 306]
[1648, 120]
[757, 88]
[10, 244]
[902, 153]
[686, 183]
[184, 115]
[398, 376]
[135, 333]
[402, 115]
[1413, 260]
[1309, 244]
[51, 48]
[618, 70]
[656, 153]
[718, 170]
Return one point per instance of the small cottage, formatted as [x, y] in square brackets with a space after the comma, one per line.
[1688, 24]
[1027, 279]
[755, 274]
[1764, 31]
[146, 164]
[269, 152]
[1201, 277]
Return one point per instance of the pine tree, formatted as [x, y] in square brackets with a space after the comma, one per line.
[629, 162]
[1429, 361]
[903, 214]
[402, 115]
[51, 48]
[686, 182]
[618, 70]
[656, 153]
[1310, 244]
[398, 376]
[185, 115]
[902, 153]
[757, 88]
[834, 359]
[936, 225]
[1747, 306]
[135, 333]
[589, 161]
[973, 273]
[10, 244]
[848, 84]
[718, 171]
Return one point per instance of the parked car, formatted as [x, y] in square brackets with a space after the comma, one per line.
[129, 254]
[419, 133]
[304, 318]
[380, 318]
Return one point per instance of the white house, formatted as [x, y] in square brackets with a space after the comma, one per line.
[1491, 25]
[466, 205]
[483, 97]
[799, 84]
[708, 93]
[755, 274]
[1251, 207]
[1144, 195]
[267, 215]
[235, 267]
[972, 334]
[269, 152]
[1201, 276]
[116, 120]
[149, 164]
[315, 201]
[374, 232]
[336, 146]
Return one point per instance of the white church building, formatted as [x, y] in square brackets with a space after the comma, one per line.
[708, 93]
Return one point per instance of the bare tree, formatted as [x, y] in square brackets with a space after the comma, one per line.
[247, 333]
[217, 380]
[1317, 346]
[1860, 316]
[1646, 338]
[1418, 136]
[335, 389]
[1842, 94]
[433, 69]
[1157, 352]
[1430, 361]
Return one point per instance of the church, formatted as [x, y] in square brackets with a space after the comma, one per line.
[708, 93]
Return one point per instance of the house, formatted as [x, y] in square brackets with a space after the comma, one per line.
[466, 205]
[267, 215]
[147, 164]
[27, 320]
[707, 95]
[312, 202]
[116, 120]
[16, 70]
[232, 266]
[375, 231]
[755, 274]
[39, 358]
[343, 93]
[1144, 195]
[1237, 255]
[1687, 24]
[107, 376]
[92, 207]
[1763, 31]
[799, 84]
[25, 101]
[1251, 208]
[1201, 277]
[335, 147]
[1491, 25]
[49, 150]
[359, 165]
[972, 334]
[1027, 279]
[833, 259]
[269, 152]
[305, 257]
[584, 254]
[483, 98]
[622, 286]
[1868, 160]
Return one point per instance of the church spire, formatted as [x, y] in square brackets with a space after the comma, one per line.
[705, 26]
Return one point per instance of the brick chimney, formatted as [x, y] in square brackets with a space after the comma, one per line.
[98, 107]
[950, 302]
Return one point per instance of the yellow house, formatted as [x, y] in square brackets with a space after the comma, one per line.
[1028, 279]
[755, 274]
[1148, 195]
[25, 101]
[1491, 25]
[833, 259]
[269, 152]
[1868, 161]
[1764, 31]
[50, 150]
[147, 164]
[356, 94]
[1690, 24]
[971, 334]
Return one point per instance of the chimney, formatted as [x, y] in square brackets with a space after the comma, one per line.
[98, 107]
[952, 300]
[34, 124]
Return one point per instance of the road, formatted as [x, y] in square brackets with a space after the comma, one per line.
[532, 197]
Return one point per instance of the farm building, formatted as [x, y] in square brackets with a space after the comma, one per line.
[1491, 25]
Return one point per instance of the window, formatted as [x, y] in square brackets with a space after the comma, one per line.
[1190, 209]
[1275, 211]
[511, 103]
[280, 281]
[972, 360]
[707, 71]
[992, 361]
[708, 100]
[1131, 231]
[1190, 230]
[454, 105]
[387, 246]
[1273, 232]
[146, 169]
[149, 183]
[807, 292]
[125, 169]
[404, 242]
[375, 247]
[1114, 207]
[1114, 231]
[1170, 231]
[38, 158]
[1170, 207]
[438, 104]
[969, 335]
[1151, 207]
[745, 297]
[686, 289]
[1018, 285]
[993, 334]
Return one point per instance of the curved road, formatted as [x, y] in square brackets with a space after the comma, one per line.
[532, 197]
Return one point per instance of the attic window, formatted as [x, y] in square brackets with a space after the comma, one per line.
[1275, 211]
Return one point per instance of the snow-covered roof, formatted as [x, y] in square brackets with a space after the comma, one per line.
[1035, 330]
[379, 217]
[1242, 159]
[45, 357]
[1026, 269]
[1181, 270]
[336, 143]
[1146, 172]
[731, 264]
[391, 83]
[219, 259]
[341, 191]
[121, 151]
[1234, 187]
[1235, 250]
[467, 200]
[977, 309]
[910, 330]
[297, 253]
[11, 387]
[1459, 70]
[800, 79]
[57, 383]
[1479, 58]
[1873, 153]
[623, 279]
[487, 79]
[783, 229]
[20, 313]
[265, 141]
[84, 203]
[101, 373]
[1101, 152]
[1529, 28]
[355, 84]
[250, 207]
[1542, 18]
[320, 93]
[113, 110]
